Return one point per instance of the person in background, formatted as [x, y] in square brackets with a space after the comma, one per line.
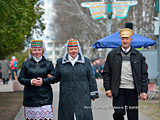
[98, 69]
[38, 95]
[101, 61]
[93, 67]
[125, 77]
[14, 67]
[5, 67]
[77, 84]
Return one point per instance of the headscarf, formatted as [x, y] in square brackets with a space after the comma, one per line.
[73, 45]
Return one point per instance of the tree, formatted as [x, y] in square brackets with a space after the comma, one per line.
[18, 23]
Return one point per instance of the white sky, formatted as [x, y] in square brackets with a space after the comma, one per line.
[48, 18]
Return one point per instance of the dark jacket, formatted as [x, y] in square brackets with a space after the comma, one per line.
[77, 87]
[35, 96]
[112, 71]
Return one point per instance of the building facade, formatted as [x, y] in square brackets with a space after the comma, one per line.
[55, 49]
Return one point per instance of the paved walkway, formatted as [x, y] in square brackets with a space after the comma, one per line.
[102, 107]
[7, 87]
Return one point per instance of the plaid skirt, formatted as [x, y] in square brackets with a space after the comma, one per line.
[39, 113]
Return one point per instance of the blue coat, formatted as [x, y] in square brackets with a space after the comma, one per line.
[77, 87]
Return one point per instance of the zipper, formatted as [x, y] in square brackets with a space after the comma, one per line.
[37, 67]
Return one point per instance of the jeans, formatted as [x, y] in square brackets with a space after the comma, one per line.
[13, 73]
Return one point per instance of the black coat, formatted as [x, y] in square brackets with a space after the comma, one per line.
[35, 96]
[76, 85]
[112, 71]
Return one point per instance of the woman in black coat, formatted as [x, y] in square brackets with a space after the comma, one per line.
[38, 94]
[77, 84]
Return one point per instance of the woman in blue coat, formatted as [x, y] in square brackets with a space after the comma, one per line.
[77, 84]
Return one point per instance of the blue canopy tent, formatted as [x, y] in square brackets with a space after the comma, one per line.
[114, 40]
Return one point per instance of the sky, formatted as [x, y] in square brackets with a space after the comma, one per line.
[48, 18]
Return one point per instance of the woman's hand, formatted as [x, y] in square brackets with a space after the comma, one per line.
[34, 81]
[37, 82]
[49, 75]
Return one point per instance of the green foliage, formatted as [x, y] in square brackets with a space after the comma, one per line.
[20, 56]
[18, 20]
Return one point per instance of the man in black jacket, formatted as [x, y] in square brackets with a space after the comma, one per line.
[125, 77]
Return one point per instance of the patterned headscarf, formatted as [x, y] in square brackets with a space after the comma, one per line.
[76, 43]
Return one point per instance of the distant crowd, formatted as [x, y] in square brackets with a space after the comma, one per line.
[8, 69]
[97, 66]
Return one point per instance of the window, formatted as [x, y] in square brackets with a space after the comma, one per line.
[49, 45]
[49, 52]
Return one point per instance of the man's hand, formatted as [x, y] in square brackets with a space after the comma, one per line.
[93, 99]
[109, 93]
[144, 96]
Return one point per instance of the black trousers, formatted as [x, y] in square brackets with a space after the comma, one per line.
[126, 100]
[5, 80]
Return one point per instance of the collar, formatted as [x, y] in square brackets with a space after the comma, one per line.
[132, 50]
[43, 59]
[71, 59]
[80, 59]
[37, 59]
[126, 51]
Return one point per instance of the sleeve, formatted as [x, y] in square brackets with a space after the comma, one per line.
[58, 74]
[144, 77]
[53, 79]
[92, 81]
[23, 76]
[107, 74]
